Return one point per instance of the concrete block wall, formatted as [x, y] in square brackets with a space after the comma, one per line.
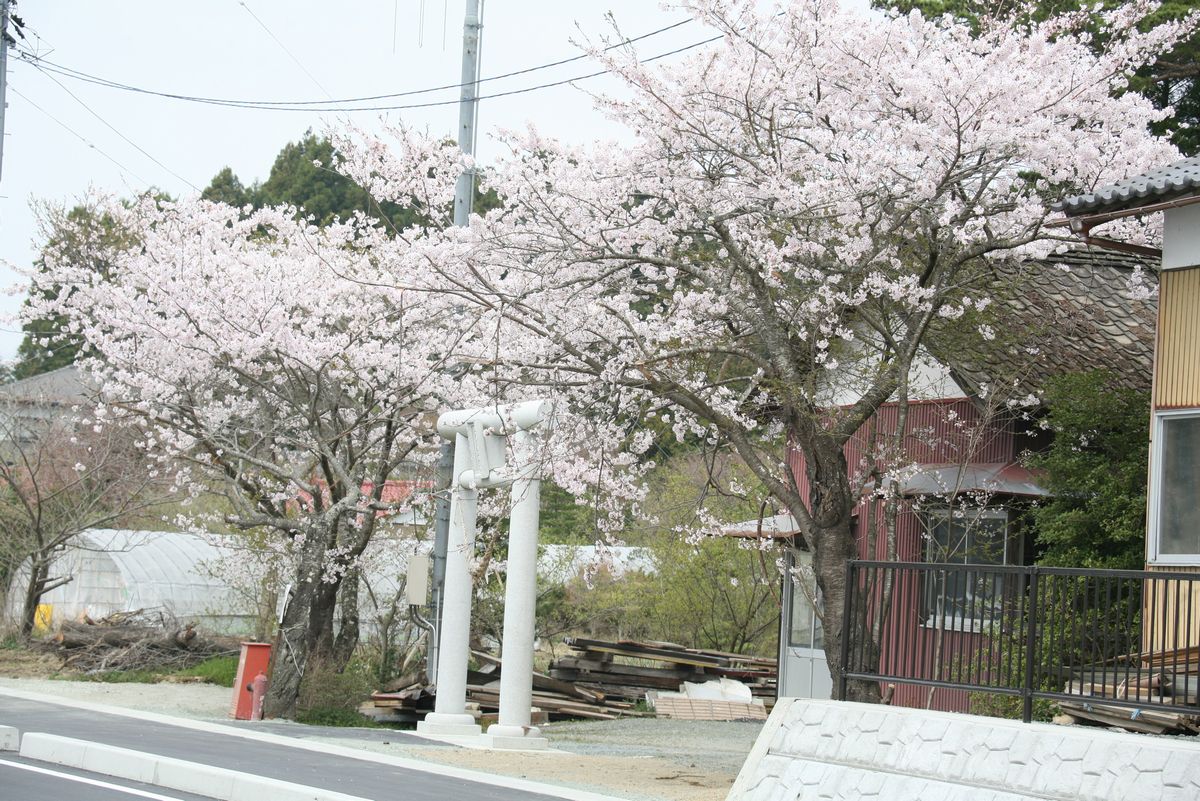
[828, 750]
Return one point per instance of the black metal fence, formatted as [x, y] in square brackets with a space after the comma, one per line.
[1121, 638]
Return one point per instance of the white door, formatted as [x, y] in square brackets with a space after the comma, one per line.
[803, 671]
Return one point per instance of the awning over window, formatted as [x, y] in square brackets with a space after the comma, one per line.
[947, 479]
[929, 479]
[775, 526]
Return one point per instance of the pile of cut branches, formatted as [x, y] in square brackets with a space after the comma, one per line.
[136, 641]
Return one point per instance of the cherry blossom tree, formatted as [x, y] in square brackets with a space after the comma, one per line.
[263, 355]
[802, 210]
[284, 363]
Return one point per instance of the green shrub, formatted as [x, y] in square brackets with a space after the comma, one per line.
[327, 716]
[1095, 471]
[330, 697]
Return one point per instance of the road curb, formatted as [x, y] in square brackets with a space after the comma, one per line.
[174, 774]
[448, 771]
[10, 738]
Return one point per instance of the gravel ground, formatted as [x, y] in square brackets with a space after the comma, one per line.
[719, 746]
[186, 700]
[642, 759]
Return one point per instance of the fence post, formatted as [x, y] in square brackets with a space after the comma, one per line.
[1030, 623]
[847, 628]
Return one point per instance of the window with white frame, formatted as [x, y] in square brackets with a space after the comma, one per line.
[966, 599]
[805, 630]
[1175, 488]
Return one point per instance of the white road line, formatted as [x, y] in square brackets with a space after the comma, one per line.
[94, 782]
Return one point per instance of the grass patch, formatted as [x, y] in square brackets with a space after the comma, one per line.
[220, 670]
[333, 716]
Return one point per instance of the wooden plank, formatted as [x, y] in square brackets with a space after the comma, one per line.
[765, 661]
[596, 666]
[541, 681]
[617, 679]
[1121, 718]
[639, 651]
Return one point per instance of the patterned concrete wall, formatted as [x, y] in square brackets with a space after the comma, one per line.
[832, 751]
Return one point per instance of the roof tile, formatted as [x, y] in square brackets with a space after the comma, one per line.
[1165, 183]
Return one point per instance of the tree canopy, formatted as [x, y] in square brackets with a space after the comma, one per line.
[1095, 470]
[800, 211]
[305, 175]
[49, 343]
[1172, 81]
[318, 192]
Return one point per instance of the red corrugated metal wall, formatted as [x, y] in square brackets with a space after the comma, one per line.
[949, 431]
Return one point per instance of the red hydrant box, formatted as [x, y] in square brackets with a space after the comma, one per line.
[255, 659]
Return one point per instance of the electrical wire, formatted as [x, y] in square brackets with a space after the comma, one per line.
[284, 48]
[79, 136]
[408, 106]
[70, 72]
[132, 143]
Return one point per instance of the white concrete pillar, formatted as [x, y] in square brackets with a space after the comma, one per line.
[450, 704]
[520, 600]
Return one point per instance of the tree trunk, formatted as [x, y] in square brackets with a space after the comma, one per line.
[348, 626]
[88, 635]
[39, 575]
[306, 637]
[837, 547]
[833, 544]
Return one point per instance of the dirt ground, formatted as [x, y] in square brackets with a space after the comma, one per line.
[18, 663]
[639, 777]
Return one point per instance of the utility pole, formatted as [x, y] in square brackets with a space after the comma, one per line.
[464, 195]
[468, 110]
[3, 74]
[441, 539]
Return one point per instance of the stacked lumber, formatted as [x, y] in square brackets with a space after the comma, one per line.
[628, 670]
[1162, 684]
[555, 706]
[1140, 719]
[404, 705]
[409, 700]
[557, 699]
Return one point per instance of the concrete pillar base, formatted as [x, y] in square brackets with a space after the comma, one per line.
[441, 723]
[530, 741]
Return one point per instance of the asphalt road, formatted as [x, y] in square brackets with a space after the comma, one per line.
[26, 780]
[305, 732]
[372, 780]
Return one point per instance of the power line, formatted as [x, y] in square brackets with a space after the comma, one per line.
[134, 144]
[79, 136]
[284, 48]
[403, 107]
[265, 104]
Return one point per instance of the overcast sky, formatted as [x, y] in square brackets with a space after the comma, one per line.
[272, 50]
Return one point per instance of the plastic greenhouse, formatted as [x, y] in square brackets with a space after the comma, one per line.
[155, 571]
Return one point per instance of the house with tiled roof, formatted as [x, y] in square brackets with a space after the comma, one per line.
[964, 486]
[1173, 497]
[29, 404]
